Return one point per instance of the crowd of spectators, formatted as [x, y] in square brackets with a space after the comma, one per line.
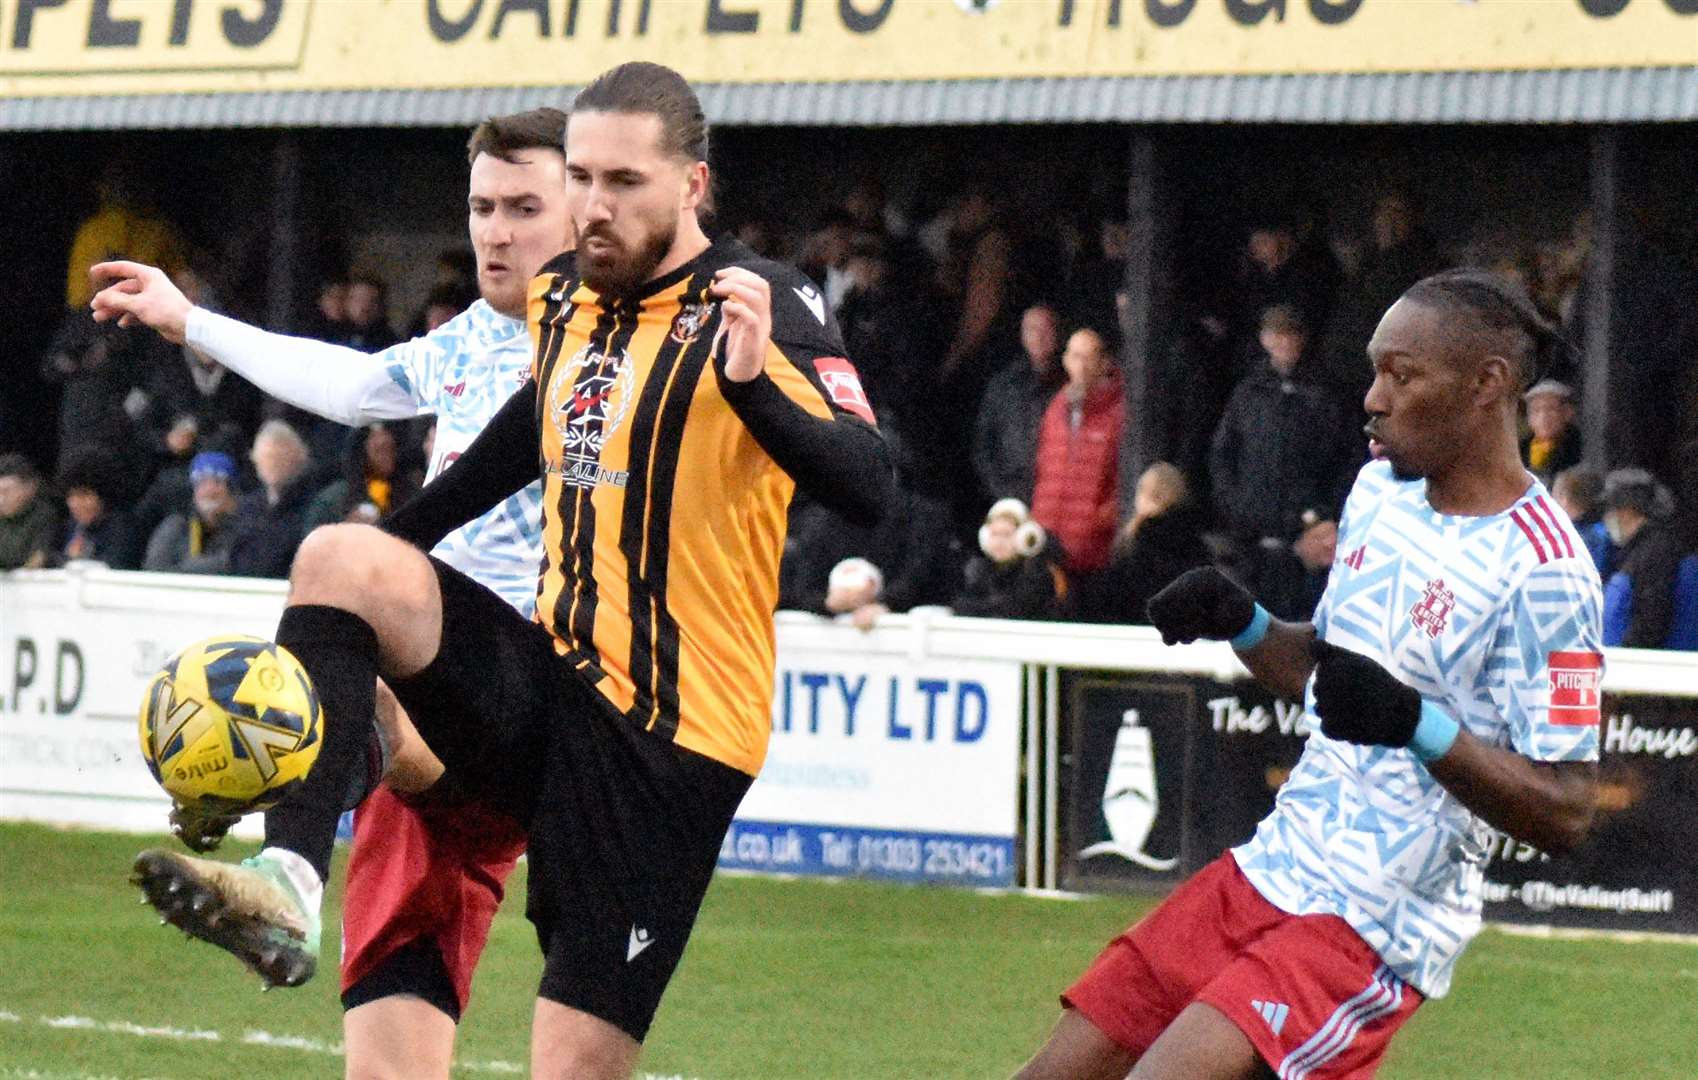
[167, 461]
[988, 344]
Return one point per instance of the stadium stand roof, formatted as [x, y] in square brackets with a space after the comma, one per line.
[1578, 96]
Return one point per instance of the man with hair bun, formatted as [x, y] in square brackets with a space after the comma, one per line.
[1451, 682]
[680, 391]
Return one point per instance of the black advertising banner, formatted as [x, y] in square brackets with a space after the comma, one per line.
[1162, 772]
[1639, 868]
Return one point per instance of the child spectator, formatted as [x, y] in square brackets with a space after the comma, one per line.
[1162, 539]
[1018, 575]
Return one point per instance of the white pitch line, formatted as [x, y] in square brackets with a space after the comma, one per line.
[250, 1037]
[1577, 933]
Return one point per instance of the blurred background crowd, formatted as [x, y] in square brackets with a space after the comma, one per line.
[990, 321]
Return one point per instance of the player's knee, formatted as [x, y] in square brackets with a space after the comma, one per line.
[594, 1062]
[345, 566]
[570, 1045]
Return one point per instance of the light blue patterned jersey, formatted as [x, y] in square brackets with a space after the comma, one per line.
[464, 371]
[1497, 620]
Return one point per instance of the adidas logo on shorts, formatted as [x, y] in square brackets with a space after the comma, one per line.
[1273, 1012]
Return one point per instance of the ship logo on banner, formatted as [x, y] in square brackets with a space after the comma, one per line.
[1130, 801]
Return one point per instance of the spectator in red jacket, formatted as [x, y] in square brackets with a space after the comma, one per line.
[1076, 494]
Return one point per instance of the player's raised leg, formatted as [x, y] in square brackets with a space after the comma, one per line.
[361, 603]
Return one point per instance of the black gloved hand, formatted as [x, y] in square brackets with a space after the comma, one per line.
[1361, 702]
[1201, 603]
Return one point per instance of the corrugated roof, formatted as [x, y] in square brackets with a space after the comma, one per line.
[1572, 96]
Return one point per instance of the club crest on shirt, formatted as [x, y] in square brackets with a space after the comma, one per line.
[1433, 610]
[689, 321]
[590, 398]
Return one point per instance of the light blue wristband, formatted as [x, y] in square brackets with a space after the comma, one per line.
[1252, 635]
[1434, 734]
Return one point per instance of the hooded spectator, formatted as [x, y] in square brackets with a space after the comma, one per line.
[1639, 596]
[199, 541]
[1017, 574]
[29, 522]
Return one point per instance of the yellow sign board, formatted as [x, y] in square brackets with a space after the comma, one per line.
[54, 47]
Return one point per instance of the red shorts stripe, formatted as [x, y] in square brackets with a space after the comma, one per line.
[1312, 997]
[437, 873]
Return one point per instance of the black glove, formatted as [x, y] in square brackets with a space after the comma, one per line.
[1361, 702]
[1201, 603]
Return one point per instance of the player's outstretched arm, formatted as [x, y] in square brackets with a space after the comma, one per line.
[333, 381]
[1205, 603]
[839, 459]
[500, 461]
[1545, 803]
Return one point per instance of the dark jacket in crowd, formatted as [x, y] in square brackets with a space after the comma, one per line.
[112, 540]
[913, 546]
[1164, 546]
[1565, 455]
[97, 364]
[186, 544]
[1639, 595]
[267, 535]
[1005, 435]
[1033, 587]
[1385, 273]
[1308, 281]
[891, 332]
[170, 493]
[227, 410]
[1284, 446]
[30, 532]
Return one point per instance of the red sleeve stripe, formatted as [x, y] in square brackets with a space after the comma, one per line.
[1527, 530]
[1556, 523]
[1550, 537]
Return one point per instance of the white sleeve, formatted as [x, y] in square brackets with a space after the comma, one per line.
[332, 381]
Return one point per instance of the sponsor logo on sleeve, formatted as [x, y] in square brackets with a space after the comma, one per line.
[844, 386]
[1574, 688]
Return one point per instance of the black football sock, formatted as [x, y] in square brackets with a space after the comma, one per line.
[339, 651]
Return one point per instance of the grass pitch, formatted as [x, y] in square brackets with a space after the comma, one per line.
[784, 979]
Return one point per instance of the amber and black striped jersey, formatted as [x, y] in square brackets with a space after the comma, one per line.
[666, 488]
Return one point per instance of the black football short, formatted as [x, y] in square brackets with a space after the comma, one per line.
[624, 825]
